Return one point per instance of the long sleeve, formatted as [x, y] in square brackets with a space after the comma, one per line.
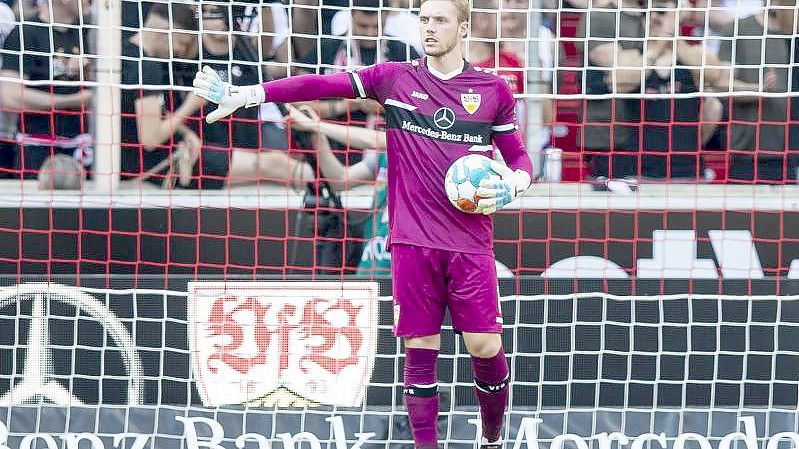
[507, 136]
[310, 87]
[512, 148]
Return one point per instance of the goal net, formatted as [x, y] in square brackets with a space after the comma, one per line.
[133, 368]
[647, 280]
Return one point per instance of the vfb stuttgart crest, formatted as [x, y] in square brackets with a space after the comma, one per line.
[282, 343]
[471, 101]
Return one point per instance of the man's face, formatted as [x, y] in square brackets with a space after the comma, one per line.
[366, 24]
[514, 17]
[484, 25]
[440, 30]
[213, 21]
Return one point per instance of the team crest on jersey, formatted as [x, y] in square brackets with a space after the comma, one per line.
[471, 101]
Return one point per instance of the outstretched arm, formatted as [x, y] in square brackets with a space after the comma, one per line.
[208, 85]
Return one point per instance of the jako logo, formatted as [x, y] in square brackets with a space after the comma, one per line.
[419, 95]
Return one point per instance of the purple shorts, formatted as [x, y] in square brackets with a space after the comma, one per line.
[426, 281]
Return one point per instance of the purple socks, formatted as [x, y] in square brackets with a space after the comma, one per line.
[421, 396]
[491, 378]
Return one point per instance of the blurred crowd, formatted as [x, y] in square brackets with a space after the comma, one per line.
[614, 63]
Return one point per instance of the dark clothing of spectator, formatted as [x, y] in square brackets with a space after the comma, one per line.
[44, 56]
[334, 54]
[242, 130]
[609, 123]
[671, 127]
[140, 69]
[759, 128]
[652, 138]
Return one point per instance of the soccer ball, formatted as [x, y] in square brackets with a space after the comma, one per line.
[463, 178]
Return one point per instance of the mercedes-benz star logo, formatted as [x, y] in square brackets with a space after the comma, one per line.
[37, 376]
[444, 118]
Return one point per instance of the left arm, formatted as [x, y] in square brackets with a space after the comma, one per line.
[516, 175]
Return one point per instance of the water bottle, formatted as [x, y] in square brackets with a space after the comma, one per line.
[553, 164]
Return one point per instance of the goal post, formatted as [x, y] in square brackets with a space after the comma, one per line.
[107, 113]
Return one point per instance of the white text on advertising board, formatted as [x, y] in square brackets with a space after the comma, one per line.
[526, 438]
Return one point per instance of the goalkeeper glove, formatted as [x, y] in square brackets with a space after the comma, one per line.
[208, 85]
[494, 195]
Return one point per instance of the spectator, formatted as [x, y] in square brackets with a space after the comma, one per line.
[51, 116]
[514, 29]
[266, 24]
[762, 54]
[615, 127]
[608, 122]
[26, 9]
[8, 121]
[61, 172]
[397, 21]
[375, 259]
[231, 147]
[561, 63]
[710, 18]
[306, 15]
[156, 142]
[485, 50]
[363, 49]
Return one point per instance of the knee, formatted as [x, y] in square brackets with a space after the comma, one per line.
[484, 346]
[429, 342]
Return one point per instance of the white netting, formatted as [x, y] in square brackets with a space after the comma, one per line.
[113, 361]
[668, 69]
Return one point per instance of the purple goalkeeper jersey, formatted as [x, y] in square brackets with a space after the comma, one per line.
[432, 120]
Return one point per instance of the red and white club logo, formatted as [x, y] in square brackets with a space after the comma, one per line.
[288, 341]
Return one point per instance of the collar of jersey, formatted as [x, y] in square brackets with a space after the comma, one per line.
[446, 76]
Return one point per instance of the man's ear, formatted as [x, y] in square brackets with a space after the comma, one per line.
[464, 29]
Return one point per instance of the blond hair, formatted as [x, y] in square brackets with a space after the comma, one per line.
[461, 6]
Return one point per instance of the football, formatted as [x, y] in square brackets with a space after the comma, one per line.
[463, 178]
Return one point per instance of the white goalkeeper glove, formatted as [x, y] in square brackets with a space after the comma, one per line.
[208, 85]
[494, 195]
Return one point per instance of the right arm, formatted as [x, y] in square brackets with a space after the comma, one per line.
[337, 173]
[16, 95]
[310, 87]
[355, 136]
[153, 128]
[305, 119]
[611, 56]
[717, 73]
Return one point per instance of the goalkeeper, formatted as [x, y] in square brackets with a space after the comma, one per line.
[438, 109]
